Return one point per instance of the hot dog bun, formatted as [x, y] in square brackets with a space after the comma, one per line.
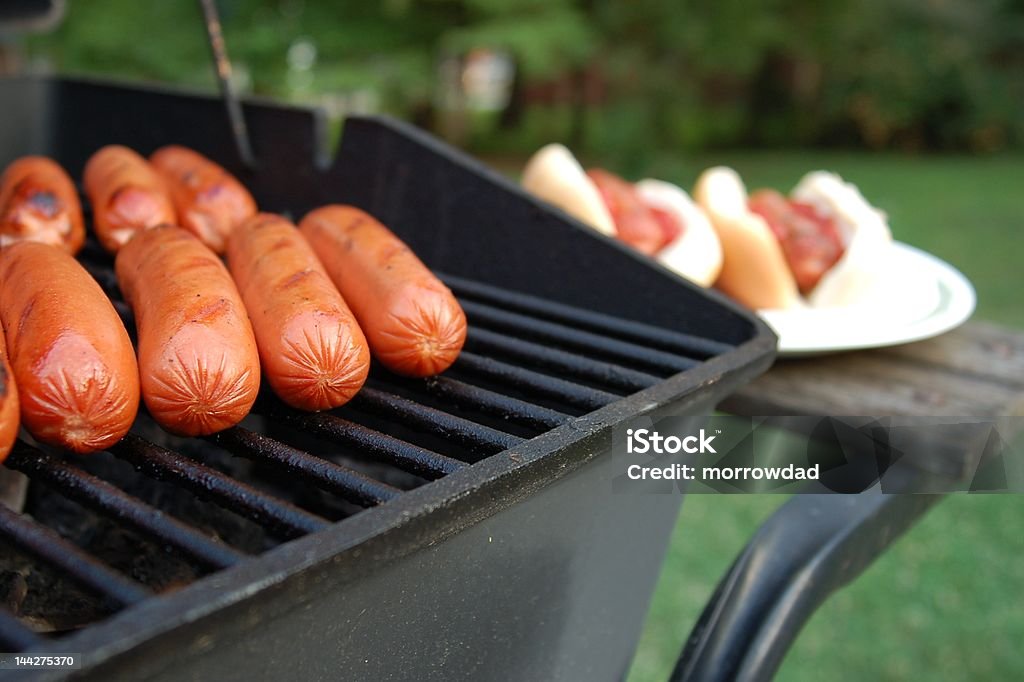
[697, 254]
[754, 269]
[865, 235]
[554, 175]
[756, 272]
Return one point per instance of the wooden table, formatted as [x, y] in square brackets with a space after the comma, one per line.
[976, 370]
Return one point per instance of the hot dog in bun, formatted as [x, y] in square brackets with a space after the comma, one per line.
[822, 246]
[657, 218]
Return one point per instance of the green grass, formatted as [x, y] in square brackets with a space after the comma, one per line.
[945, 602]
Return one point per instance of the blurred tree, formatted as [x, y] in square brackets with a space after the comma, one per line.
[620, 77]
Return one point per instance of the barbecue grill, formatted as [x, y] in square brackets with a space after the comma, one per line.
[455, 527]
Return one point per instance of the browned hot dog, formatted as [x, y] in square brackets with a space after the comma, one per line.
[38, 202]
[313, 353]
[8, 403]
[411, 320]
[126, 194]
[78, 383]
[197, 356]
[210, 201]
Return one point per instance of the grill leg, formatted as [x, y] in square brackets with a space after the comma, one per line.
[813, 545]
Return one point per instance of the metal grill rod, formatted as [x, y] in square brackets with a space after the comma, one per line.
[605, 373]
[100, 495]
[340, 480]
[405, 456]
[497, 404]
[480, 439]
[623, 351]
[49, 547]
[280, 517]
[534, 382]
[677, 342]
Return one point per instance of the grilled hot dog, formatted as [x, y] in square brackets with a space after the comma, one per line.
[197, 356]
[126, 194]
[8, 403]
[72, 360]
[38, 202]
[210, 201]
[411, 320]
[312, 350]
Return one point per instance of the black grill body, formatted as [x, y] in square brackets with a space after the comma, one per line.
[515, 562]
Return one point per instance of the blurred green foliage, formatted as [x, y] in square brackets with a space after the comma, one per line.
[636, 82]
[627, 76]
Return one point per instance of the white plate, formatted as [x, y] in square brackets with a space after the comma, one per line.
[928, 298]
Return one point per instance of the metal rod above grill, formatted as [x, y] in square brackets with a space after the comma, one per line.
[96, 493]
[648, 335]
[480, 439]
[46, 545]
[570, 337]
[280, 517]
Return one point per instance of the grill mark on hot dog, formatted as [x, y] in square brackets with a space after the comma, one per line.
[26, 314]
[295, 279]
[208, 312]
[386, 256]
[38, 202]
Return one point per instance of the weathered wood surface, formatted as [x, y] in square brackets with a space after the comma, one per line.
[974, 371]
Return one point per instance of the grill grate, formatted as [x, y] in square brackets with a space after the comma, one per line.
[529, 366]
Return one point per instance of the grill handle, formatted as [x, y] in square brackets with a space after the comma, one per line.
[228, 92]
[812, 546]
